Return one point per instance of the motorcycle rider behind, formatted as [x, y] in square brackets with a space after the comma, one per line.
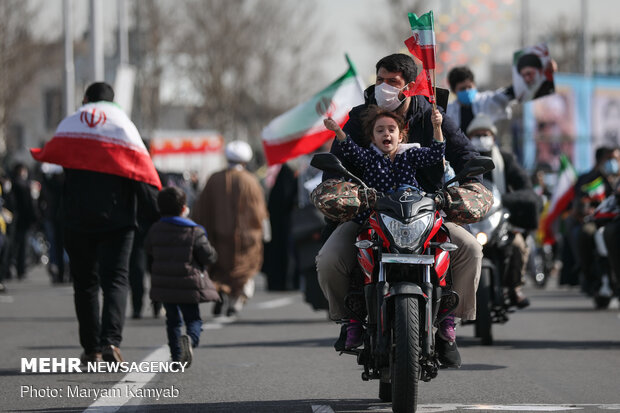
[518, 197]
[338, 257]
[387, 165]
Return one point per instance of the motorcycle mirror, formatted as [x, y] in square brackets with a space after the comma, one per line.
[473, 167]
[326, 161]
[329, 162]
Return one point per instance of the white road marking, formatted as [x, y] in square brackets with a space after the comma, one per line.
[504, 407]
[134, 379]
[211, 325]
[279, 302]
[139, 380]
[320, 408]
[6, 299]
[524, 407]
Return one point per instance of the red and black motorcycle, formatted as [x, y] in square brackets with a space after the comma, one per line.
[404, 253]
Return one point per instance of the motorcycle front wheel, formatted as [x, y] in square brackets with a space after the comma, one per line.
[406, 354]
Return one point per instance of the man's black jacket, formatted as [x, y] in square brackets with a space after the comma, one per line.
[99, 202]
[418, 117]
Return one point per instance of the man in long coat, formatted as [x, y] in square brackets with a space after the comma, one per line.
[232, 209]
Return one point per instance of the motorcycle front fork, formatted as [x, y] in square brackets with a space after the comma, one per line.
[431, 301]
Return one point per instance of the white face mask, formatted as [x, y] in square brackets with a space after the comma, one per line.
[387, 96]
[483, 143]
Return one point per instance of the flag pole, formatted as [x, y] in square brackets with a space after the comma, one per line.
[434, 91]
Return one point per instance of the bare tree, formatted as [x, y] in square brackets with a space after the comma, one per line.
[20, 59]
[153, 27]
[392, 35]
[564, 41]
[249, 60]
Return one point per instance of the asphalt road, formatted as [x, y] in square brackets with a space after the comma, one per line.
[557, 355]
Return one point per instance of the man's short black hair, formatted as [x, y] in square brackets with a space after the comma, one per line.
[602, 153]
[529, 60]
[459, 74]
[399, 62]
[99, 91]
[171, 200]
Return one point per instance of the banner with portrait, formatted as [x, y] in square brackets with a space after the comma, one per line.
[581, 116]
[532, 73]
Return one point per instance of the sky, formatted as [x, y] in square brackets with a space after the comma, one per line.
[494, 33]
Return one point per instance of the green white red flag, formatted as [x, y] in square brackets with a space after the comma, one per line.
[100, 137]
[595, 190]
[560, 200]
[300, 130]
[423, 39]
[422, 45]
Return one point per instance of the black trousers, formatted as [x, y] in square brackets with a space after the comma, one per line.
[137, 270]
[100, 260]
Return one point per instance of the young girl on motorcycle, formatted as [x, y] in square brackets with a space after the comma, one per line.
[387, 164]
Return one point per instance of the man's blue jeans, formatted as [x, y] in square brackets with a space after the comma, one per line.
[176, 314]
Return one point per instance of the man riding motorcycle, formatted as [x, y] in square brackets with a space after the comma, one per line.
[518, 197]
[337, 258]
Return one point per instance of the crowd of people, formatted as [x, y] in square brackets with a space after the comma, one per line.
[106, 230]
[30, 230]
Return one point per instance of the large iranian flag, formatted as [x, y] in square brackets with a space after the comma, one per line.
[100, 137]
[560, 200]
[300, 130]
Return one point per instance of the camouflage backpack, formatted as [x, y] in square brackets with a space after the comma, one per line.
[340, 200]
[467, 203]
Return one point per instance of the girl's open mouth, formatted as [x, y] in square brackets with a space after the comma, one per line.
[387, 142]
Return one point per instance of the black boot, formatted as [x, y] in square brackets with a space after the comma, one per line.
[447, 352]
[339, 345]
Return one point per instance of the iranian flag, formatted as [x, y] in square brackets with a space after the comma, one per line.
[560, 200]
[422, 46]
[300, 130]
[422, 43]
[595, 189]
[100, 137]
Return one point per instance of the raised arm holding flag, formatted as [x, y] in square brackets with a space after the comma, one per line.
[300, 130]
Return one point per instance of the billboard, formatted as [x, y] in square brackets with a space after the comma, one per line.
[581, 116]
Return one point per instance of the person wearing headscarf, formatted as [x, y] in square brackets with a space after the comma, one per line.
[232, 208]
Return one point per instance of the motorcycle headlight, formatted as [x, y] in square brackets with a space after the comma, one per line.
[407, 235]
[482, 238]
[487, 228]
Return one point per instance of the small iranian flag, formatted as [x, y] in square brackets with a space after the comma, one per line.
[423, 39]
[300, 130]
[560, 200]
[422, 46]
[595, 189]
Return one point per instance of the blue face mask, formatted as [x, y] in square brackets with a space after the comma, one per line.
[610, 167]
[467, 96]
